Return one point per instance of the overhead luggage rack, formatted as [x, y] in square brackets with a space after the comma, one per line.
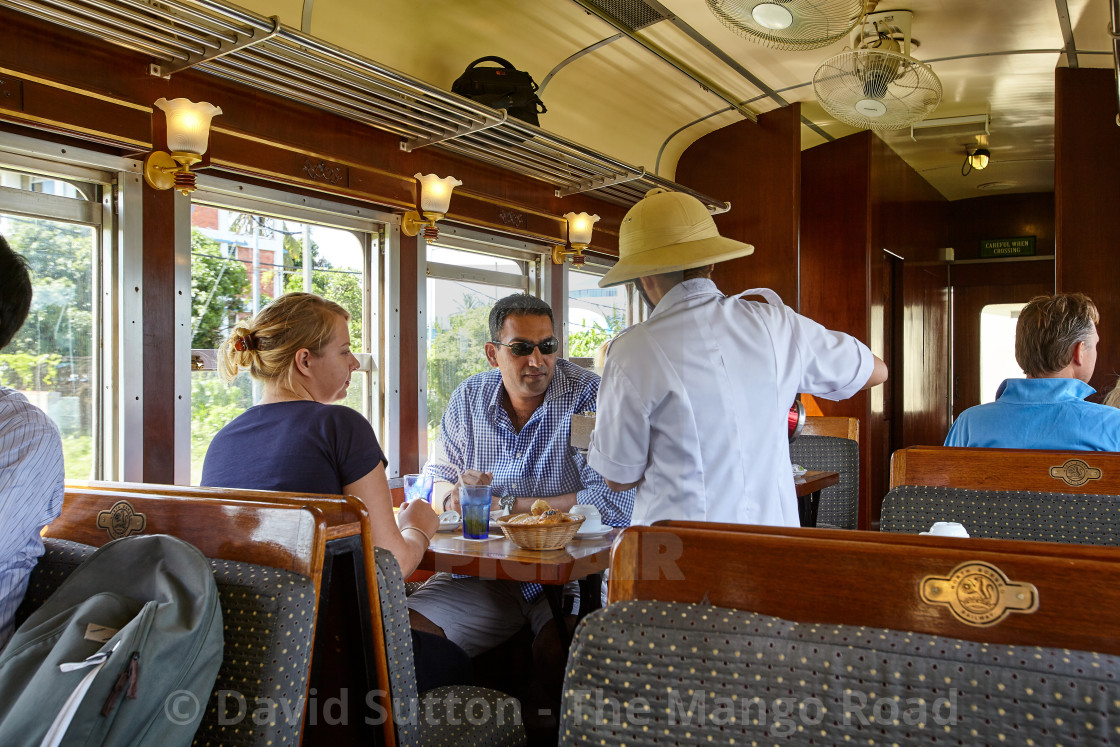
[240, 46]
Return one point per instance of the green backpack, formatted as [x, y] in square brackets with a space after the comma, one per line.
[125, 652]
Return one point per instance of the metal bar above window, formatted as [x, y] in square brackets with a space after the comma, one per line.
[472, 275]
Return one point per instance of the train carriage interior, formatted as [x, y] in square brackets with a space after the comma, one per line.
[909, 173]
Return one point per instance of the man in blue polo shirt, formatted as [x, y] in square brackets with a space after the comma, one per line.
[1056, 346]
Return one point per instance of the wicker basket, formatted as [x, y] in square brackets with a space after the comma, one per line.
[541, 536]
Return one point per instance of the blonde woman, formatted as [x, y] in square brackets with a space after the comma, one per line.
[295, 439]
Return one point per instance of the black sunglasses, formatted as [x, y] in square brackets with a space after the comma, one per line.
[521, 349]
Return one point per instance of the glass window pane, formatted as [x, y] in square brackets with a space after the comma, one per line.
[458, 329]
[47, 185]
[240, 262]
[52, 358]
[446, 256]
[594, 314]
[997, 347]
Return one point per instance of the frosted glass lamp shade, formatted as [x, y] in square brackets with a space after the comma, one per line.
[435, 193]
[579, 227]
[188, 124]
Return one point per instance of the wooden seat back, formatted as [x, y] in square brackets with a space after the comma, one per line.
[271, 534]
[860, 578]
[826, 425]
[267, 559]
[347, 520]
[774, 634]
[1089, 472]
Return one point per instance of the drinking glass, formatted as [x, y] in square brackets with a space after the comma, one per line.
[418, 488]
[475, 503]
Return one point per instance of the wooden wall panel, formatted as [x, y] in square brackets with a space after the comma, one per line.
[998, 217]
[909, 314]
[1086, 192]
[834, 257]
[756, 167]
[158, 354]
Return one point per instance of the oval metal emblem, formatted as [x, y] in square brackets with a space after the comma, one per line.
[979, 594]
[121, 520]
[1075, 472]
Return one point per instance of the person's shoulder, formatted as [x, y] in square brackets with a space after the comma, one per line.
[343, 414]
[576, 376]
[16, 412]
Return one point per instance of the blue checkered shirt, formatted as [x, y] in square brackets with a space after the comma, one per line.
[477, 433]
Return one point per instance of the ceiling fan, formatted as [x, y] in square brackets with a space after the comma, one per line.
[789, 24]
[877, 84]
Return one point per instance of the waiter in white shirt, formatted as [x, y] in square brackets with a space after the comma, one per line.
[694, 401]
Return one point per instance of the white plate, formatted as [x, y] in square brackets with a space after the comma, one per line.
[449, 526]
[602, 531]
[798, 470]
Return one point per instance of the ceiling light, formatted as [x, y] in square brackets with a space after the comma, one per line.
[772, 16]
[977, 159]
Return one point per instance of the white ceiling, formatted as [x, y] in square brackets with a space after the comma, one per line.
[992, 56]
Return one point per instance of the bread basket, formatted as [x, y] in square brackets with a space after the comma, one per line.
[541, 536]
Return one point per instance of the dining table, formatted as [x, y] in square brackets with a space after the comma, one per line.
[496, 557]
[809, 486]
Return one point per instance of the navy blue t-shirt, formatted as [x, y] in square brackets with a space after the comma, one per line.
[297, 447]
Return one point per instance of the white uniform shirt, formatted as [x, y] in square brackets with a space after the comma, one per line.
[694, 401]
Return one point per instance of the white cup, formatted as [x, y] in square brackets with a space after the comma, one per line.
[592, 519]
[947, 529]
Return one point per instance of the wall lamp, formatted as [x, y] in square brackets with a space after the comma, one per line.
[188, 136]
[435, 198]
[579, 236]
[977, 159]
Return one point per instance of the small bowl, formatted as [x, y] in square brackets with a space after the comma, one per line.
[540, 536]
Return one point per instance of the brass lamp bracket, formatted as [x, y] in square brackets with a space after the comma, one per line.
[413, 222]
[560, 253]
[170, 170]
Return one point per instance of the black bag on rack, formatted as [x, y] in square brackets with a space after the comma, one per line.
[503, 87]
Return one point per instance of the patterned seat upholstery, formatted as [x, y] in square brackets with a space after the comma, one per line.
[445, 716]
[840, 502]
[644, 673]
[268, 617]
[1011, 514]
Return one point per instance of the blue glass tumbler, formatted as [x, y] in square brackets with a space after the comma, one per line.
[475, 503]
[418, 488]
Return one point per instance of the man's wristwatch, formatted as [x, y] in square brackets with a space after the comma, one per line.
[506, 503]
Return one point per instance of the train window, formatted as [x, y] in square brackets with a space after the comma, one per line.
[997, 347]
[241, 259]
[55, 223]
[594, 315]
[464, 280]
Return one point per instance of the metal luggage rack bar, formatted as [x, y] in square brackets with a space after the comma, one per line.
[240, 46]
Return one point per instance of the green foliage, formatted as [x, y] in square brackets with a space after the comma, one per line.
[456, 353]
[586, 342]
[28, 371]
[213, 404]
[218, 289]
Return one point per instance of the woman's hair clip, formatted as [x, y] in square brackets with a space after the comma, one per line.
[241, 343]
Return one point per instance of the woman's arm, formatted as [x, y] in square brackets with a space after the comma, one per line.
[407, 546]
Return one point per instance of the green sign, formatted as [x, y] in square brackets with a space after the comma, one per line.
[1023, 246]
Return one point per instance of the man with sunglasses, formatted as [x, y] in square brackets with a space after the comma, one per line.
[514, 422]
[695, 400]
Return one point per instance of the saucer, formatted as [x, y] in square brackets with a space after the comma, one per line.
[449, 526]
[592, 532]
[798, 470]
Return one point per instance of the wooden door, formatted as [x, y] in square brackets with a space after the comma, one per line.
[974, 286]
